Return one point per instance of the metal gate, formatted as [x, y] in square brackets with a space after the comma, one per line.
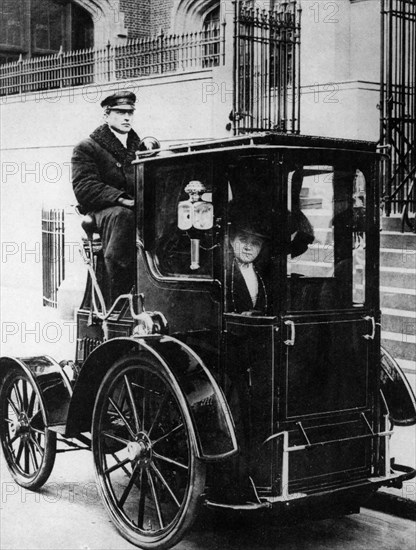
[53, 259]
[267, 69]
[398, 106]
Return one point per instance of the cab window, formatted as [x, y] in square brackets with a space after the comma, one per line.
[178, 231]
[327, 234]
[249, 235]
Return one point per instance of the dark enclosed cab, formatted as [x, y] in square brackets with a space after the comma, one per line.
[301, 377]
[243, 380]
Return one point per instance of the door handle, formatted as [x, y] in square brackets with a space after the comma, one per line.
[373, 328]
[291, 340]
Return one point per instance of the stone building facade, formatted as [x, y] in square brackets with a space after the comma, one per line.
[339, 96]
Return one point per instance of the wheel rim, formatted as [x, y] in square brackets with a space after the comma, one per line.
[24, 435]
[143, 456]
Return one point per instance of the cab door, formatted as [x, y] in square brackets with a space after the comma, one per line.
[326, 365]
[328, 376]
[250, 358]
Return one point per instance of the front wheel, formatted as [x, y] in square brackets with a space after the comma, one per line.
[29, 448]
[143, 444]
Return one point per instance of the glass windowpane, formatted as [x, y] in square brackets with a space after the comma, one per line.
[327, 223]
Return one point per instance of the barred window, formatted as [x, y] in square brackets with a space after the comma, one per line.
[211, 38]
[53, 257]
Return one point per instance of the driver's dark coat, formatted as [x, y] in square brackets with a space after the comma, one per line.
[102, 170]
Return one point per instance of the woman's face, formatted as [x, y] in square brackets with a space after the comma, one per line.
[246, 247]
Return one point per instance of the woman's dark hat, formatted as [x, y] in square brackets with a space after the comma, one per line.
[250, 230]
[243, 219]
[123, 100]
[251, 226]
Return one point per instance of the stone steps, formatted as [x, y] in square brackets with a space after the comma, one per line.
[398, 257]
[398, 291]
[399, 298]
[397, 278]
[401, 346]
[401, 241]
[400, 321]
[392, 223]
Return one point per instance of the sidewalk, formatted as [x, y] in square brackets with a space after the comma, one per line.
[28, 328]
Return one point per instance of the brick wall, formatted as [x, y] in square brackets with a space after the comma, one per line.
[161, 13]
[136, 17]
[146, 17]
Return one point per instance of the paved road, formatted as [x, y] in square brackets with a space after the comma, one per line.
[68, 515]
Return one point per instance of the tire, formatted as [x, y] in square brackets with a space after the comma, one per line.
[143, 444]
[28, 446]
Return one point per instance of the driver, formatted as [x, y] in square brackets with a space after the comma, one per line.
[103, 180]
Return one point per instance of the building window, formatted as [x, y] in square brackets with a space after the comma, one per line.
[48, 26]
[11, 30]
[41, 27]
[211, 38]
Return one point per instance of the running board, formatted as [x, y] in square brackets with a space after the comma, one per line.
[248, 506]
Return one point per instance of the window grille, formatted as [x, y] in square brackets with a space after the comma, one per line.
[398, 106]
[267, 69]
[53, 257]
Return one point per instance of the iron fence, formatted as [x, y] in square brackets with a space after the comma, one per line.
[53, 257]
[398, 106]
[267, 68]
[138, 58]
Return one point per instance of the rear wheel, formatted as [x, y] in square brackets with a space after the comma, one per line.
[144, 453]
[29, 448]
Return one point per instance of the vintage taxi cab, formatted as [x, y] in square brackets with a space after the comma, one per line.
[188, 398]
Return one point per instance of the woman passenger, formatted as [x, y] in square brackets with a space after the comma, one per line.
[247, 293]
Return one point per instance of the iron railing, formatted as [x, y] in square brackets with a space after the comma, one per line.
[267, 68]
[398, 106]
[53, 257]
[139, 58]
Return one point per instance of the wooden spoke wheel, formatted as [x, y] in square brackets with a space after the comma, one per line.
[29, 448]
[144, 453]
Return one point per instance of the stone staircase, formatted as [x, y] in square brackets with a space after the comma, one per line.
[398, 292]
[397, 280]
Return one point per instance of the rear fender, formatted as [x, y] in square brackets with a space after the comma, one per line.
[47, 376]
[209, 411]
[397, 392]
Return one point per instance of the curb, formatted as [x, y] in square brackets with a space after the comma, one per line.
[392, 505]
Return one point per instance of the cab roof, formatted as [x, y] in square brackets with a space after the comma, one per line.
[260, 140]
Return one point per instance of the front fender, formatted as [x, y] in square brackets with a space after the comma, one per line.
[206, 403]
[53, 385]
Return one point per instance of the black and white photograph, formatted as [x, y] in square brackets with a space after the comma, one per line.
[208, 274]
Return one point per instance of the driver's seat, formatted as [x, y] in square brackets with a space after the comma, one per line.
[93, 253]
[89, 225]
[93, 243]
